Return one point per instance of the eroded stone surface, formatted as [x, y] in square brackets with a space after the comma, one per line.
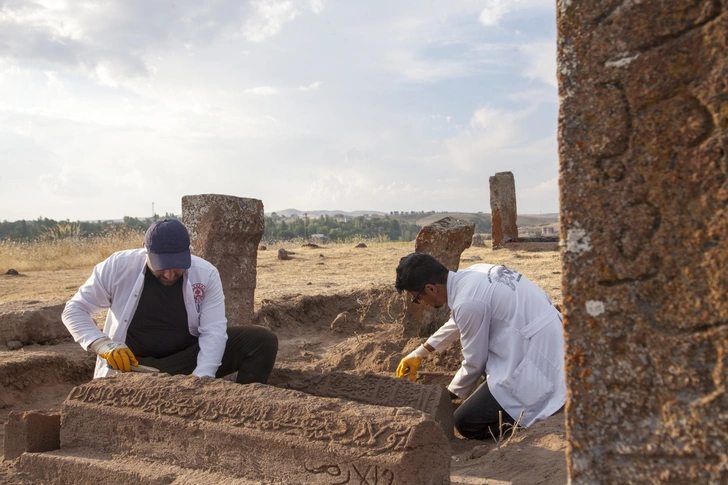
[226, 230]
[445, 240]
[371, 389]
[503, 210]
[254, 431]
[31, 431]
[643, 137]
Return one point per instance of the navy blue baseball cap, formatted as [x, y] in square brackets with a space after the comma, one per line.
[168, 245]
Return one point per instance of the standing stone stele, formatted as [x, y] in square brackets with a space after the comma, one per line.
[503, 213]
[445, 240]
[643, 137]
[225, 230]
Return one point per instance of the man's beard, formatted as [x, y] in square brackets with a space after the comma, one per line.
[167, 282]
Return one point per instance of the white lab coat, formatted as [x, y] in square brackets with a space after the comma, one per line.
[510, 332]
[117, 283]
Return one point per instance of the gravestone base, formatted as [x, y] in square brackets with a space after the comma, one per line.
[84, 465]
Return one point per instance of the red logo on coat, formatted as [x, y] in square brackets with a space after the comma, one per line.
[198, 289]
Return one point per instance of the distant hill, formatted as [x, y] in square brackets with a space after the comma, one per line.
[424, 218]
[525, 222]
[319, 213]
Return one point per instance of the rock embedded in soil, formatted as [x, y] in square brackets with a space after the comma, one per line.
[15, 345]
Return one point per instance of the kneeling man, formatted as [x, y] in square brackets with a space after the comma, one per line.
[510, 333]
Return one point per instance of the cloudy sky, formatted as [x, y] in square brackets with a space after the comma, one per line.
[112, 107]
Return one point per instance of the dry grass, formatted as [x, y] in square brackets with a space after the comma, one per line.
[326, 270]
[334, 268]
[54, 253]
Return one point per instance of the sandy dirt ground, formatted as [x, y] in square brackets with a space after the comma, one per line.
[333, 307]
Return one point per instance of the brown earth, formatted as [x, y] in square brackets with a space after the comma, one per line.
[333, 307]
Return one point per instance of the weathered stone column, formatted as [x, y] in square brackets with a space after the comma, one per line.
[503, 213]
[226, 230]
[643, 135]
[445, 240]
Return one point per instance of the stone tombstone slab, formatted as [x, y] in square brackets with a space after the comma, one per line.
[445, 240]
[225, 230]
[643, 138]
[254, 431]
[371, 389]
[503, 212]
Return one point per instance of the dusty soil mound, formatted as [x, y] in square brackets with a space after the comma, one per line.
[370, 341]
[297, 312]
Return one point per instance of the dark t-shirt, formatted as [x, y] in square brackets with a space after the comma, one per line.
[159, 327]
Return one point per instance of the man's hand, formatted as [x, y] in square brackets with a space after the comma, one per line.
[411, 363]
[117, 354]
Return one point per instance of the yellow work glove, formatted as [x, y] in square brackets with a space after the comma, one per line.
[411, 363]
[117, 354]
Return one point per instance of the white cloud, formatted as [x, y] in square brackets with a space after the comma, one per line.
[408, 105]
[262, 91]
[336, 188]
[269, 18]
[496, 10]
[541, 197]
[311, 87]
[317, 6]
[541, 61]
[489, 133]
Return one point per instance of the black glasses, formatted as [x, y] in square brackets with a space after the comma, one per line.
[416, 299]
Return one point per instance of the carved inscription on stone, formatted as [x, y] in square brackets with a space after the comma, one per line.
[371, 389]
[376, 437]
[352, 474]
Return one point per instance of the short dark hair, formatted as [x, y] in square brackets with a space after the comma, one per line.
[417, 270]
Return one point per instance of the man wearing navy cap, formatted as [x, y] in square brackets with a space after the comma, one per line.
[166, 311]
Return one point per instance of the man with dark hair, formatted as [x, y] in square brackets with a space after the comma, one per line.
[166, 312]
[510, 333]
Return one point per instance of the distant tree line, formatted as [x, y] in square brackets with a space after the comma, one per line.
[276, 227]
[483, 224]
[482, 221]
[43, 227]
[339, 229]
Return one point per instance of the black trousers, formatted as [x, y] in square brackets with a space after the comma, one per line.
[477, 416]
[250, 351]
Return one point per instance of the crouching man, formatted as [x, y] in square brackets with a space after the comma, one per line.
[166, 311]
[510, 333]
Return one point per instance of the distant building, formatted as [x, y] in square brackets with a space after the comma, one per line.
[319, 238]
